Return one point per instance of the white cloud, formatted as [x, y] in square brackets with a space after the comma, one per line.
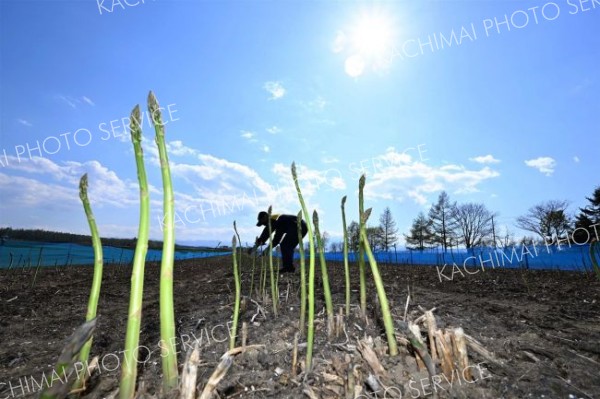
[397, 176]
[213, 191]
[311, 180]
[266, 148]
[355, 65]
[329, 159]
[485, 159]
[316, 105]
[247, 134]
[222, 188]
[105, 187]
[70, 101]
[88, 101]
[177, 147]
[274, 130]
[576, 159]
[276, 90]
[545, 165]
[73, 102]
[23, 192]
[24, 122]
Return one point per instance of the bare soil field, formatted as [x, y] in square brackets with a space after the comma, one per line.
[541, 327]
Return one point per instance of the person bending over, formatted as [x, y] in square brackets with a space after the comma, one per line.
[285, 228]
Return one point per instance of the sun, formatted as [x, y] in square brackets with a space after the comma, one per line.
[373, 35]
[367, 42]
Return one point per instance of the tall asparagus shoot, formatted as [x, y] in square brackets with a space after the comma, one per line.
[385, 309]
[252, 276]
[134, 320]
[240, 243]
[97, 279]
[324, 276]
[167, 312]
[361, 249]
[274, 294]
[346, 267]
[310, 336]
[302, 274]
[238, 288]
[263, 279]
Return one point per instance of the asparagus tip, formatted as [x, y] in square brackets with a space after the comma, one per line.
[361, 182]
[83, 185]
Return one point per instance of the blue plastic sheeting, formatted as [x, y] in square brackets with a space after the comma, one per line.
[575, 257]
[29, 253]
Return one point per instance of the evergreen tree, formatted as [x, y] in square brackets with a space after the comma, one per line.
[421, 234]
[388, 228]
[443, 226]
[588, 217]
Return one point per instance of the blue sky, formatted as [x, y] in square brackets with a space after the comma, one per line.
[505, 112]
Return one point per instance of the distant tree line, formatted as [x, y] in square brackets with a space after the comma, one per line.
[382, 237]
[449, 224]
[39, 235]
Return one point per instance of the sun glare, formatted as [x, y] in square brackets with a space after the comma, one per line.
[373, 35]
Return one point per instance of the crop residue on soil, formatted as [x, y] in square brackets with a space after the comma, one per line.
[542, 327]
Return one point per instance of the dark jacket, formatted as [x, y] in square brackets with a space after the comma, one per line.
[281, 224]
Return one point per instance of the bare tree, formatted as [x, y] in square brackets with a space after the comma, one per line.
[546, 218]
[353, 236]
[474, 222]
[325, 238]
[375, 237]
[443, 226]
[389, 230]
[336, 246]
[420, 233]
[507, 240]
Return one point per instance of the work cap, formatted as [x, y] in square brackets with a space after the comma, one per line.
[262, 215]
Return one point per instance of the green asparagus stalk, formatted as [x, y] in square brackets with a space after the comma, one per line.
[385, 309]
[238, 288]
[240, 244]
[66, 363]
[134, 320]
[302, 274]
[167, 312]
[274, 295]
[37, 268]
[324, 276]
[263, 279]
[252, 276]
[361, 249]
[311, 277]
[346, 266]
[97, 279]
